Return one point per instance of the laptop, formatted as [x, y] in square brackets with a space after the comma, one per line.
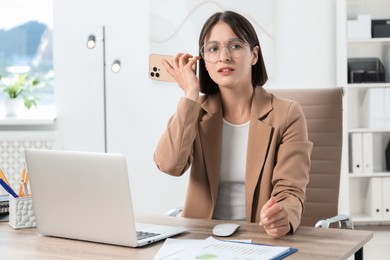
[86, 196]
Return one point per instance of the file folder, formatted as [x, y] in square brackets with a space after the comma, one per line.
[386, 198]
[368, 153]
[387, 108]
[374, 197]
[356, 151]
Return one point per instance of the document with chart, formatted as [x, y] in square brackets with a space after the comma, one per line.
[214, 249]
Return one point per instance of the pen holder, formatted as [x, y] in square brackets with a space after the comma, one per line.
[21, 212]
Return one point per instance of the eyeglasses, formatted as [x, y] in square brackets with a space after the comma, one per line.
[211, 50]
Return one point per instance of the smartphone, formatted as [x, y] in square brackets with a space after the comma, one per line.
[157, 70]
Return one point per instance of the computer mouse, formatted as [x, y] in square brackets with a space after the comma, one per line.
[225, 229]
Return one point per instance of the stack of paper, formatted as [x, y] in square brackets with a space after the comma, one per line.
[213, 249]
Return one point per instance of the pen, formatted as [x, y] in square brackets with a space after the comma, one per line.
[8, 188]
[26, 181]
[22, 180]
[24, 188]
[26, 178]
[2, 176]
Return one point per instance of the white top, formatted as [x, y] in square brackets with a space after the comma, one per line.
[231, 191]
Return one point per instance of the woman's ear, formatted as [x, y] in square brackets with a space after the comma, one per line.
[255, 54]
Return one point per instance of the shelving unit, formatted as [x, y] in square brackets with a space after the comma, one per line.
[368, 180]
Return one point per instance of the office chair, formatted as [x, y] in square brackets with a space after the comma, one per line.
[323, 110]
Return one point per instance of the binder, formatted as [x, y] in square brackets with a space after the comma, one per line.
[386, 198]
[374, 197]
[387, 107]
[374, 108]
[387, 154]
[373, 153]
[368, 153]
[356, 151]
[379, 151]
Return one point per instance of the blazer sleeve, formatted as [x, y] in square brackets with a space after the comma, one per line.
[173, 154]
[291, 172]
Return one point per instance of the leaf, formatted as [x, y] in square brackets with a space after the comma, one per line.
[35, 82]
[21, 86]
[29, 102]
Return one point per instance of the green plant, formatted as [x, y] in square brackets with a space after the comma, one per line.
[20, 86]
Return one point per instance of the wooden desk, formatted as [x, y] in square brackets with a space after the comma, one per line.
[312, 243]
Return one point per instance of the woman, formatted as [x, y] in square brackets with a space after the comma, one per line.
[248, 150]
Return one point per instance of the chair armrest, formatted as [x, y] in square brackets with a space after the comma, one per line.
[175, 212]
[343, 220]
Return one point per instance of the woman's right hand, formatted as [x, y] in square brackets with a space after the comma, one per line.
[182, 69]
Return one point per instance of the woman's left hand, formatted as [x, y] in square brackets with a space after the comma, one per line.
[274, 219]
[183, 69]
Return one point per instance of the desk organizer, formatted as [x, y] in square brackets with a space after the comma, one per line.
[21, 212]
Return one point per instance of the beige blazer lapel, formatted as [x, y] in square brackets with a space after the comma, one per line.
[211, 137]
[258, 142]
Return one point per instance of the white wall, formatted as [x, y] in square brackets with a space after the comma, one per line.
[305, 50]
[138, 109]
[78, 79]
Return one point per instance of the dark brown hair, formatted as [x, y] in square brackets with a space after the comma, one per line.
[245, 31]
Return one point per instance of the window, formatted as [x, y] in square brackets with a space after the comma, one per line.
[26, 44]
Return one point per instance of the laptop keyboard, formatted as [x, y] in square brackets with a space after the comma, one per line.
[142, 235]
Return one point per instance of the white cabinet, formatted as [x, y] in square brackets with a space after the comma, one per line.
[367, 111]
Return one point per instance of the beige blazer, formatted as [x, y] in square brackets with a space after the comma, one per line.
[278, 155]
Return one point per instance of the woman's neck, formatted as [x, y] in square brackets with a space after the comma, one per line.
[236, 104]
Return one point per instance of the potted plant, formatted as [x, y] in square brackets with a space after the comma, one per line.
[18, 88]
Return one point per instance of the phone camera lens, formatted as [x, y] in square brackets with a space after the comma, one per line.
[157, 75]
[152, 74]
[154, 69]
